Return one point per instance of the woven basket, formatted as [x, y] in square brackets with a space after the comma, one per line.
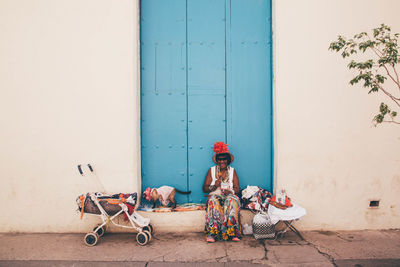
[263, 227]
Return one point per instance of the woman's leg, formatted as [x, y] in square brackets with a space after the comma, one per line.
[231, 227]
[214, 217]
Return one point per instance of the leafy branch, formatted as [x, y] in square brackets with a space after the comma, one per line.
[373, 72]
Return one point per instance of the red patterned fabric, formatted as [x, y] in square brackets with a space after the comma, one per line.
[130, 211]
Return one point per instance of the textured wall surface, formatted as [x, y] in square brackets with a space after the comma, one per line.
[68, 79]
[329, 157]
[70, 95]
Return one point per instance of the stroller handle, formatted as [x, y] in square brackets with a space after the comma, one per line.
[80, 169]
[90, 167]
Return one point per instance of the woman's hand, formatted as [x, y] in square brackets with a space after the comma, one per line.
[226, 192]
[218, 183]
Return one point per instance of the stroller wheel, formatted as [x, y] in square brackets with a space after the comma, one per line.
[148, 234]
[101, 230]
[142, 238]
[149, 228]
[91, 239]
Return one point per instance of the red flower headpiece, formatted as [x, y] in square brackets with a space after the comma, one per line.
[220, 147]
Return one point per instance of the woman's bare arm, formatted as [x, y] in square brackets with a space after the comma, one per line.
[236, 185]
[207, 182]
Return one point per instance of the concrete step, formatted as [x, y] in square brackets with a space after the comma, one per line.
[178, 222]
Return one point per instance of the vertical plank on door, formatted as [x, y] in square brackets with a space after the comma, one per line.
[249, 83]
[206, 87]
[163, 94]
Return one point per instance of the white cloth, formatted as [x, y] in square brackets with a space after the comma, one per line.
[140, 220]
[227, 185]
[164, 191]
[293, 213]
[250, 191]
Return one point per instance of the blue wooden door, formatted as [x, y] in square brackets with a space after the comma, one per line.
[205, 76]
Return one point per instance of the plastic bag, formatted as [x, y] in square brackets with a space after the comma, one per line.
[247, 229]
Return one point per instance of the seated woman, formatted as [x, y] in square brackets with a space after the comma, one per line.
[222, 208]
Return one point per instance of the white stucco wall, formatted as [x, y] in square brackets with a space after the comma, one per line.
[328, 156]
[69, 95]
[68, 81]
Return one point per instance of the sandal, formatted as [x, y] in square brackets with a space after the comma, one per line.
[235, 239]
[210, 239]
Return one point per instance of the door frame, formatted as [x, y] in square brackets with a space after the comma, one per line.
[274, 142]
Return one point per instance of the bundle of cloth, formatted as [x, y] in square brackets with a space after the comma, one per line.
[255, 198]
[110, 203]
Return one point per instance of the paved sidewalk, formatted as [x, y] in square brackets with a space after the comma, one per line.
[320, 248]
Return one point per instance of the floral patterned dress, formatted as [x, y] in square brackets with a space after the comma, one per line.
[222, 214]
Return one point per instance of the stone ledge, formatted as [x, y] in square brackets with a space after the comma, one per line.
[182, 221]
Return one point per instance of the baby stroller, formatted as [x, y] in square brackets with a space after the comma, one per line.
[108, 207]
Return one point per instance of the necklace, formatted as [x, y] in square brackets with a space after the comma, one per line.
[220, 174]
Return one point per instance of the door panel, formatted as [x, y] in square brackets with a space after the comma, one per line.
[206, 124]
[206, 45]
[163, 94]
[206, 87]
[250, 94]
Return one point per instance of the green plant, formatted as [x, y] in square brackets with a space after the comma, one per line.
[382, 51]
